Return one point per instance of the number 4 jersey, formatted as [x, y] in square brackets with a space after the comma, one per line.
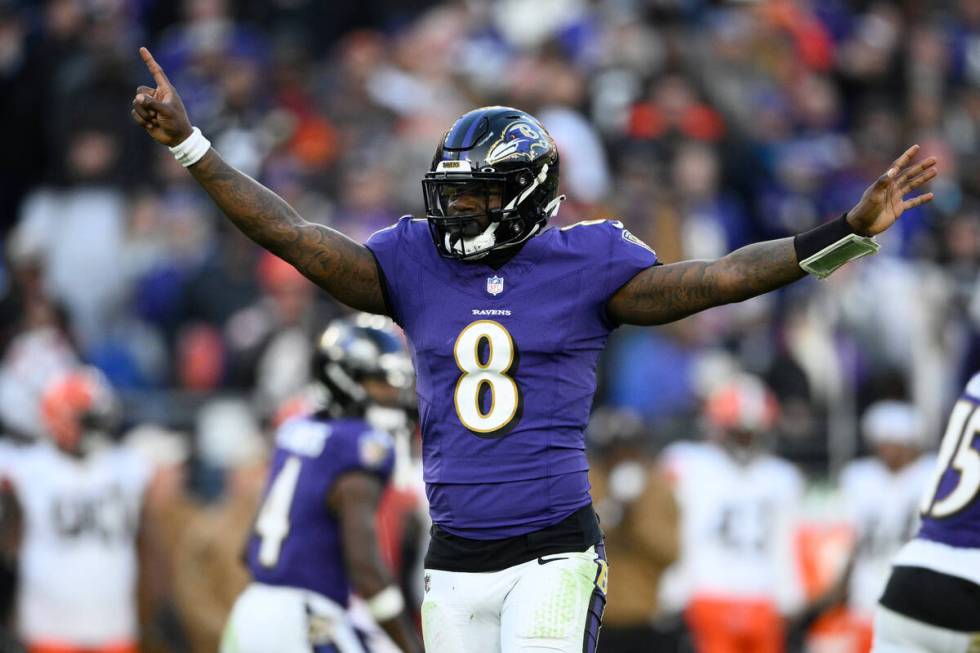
[506, 368]
[296, 540]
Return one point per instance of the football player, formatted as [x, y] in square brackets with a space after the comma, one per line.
[736, 579]
[931, 603]
[81, 497]
[314, 538]
[506, 320]
[882, 493]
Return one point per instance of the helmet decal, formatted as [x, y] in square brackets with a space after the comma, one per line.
[521, 141]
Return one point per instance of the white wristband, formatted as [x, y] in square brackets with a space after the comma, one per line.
[191, 149]
[386, 604]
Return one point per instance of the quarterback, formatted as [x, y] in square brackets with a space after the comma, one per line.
[506, 319]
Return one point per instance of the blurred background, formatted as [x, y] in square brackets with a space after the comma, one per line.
[702, 125]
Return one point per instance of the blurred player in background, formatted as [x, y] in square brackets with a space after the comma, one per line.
[507, 319]
[737, 577]
[315, 539]
[81, 498]
[931, 603]
[882, 494]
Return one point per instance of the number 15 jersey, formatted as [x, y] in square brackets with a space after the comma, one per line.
[949, 538]
[506, 368]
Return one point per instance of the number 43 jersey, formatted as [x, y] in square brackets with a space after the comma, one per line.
[296, 540]
[949, 538]
[506, 368]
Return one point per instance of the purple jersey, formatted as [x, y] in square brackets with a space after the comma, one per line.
[506, 368]
[951, 508]
[296, 541]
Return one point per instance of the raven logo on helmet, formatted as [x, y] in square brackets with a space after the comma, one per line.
[520, 141]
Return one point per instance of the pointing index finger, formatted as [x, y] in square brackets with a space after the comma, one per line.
[159, 76]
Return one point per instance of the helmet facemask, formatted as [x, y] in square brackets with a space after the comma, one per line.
[493, 183]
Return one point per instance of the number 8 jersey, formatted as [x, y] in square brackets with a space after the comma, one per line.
[506, 368]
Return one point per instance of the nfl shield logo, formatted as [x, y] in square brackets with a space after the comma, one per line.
[495, 285]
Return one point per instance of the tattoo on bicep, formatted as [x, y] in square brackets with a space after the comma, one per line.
[670, 292]
[328, 258]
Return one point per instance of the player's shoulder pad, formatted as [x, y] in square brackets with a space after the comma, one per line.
[404, 225]
[972, 390]
[374, 448]
[857, 472]
[788, 475]
[611, 228]
[304, 436]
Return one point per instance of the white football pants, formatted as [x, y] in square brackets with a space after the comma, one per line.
[551, 604]
[269, 619]
[896, 633]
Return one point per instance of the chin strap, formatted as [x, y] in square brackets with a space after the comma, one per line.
[480, 243]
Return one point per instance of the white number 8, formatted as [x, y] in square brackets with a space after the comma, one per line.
[504, 395]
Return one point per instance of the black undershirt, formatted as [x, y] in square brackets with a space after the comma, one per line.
[448, 552]
[934, 598]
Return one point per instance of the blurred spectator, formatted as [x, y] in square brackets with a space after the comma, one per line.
[78, 232]
[269, 341]
[37, 345]
[169, 510]
[640, 520]
[208, 569]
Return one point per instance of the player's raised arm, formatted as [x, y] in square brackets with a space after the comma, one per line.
[337, 264]
[666, 293]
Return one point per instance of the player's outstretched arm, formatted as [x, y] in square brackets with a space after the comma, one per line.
[665, 293]
[328, 258]
[354, 499]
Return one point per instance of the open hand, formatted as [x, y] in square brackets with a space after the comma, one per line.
[882, 203]
[159, 110]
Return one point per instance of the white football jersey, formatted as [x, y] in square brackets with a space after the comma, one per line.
[883, 508]
[78, 561]
[737, 526]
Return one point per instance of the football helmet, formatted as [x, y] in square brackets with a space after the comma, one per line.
[80, 410]
[493, 183]
[352, 350]
[742, 411]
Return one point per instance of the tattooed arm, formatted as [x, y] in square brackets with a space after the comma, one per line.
[328, 258]
[666, 293]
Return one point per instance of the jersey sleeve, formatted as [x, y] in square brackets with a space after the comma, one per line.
[367, 450]
[392, 248]
[626, 256]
